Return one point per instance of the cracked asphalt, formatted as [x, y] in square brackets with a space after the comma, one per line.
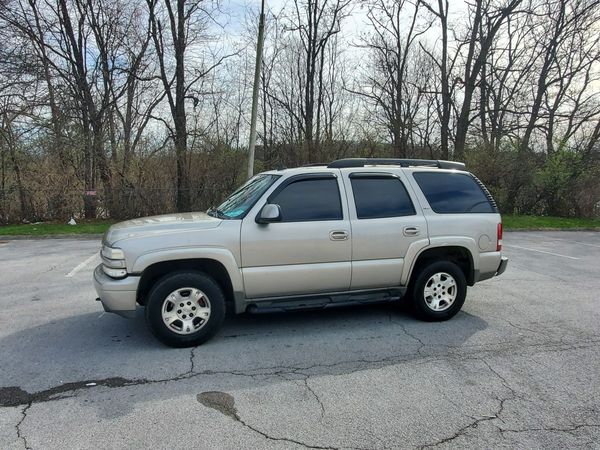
[519, 367]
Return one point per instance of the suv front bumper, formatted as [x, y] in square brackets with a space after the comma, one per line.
[117, 296]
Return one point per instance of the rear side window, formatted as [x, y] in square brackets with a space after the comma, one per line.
[309, 199]
[377, 197]
[453, 193]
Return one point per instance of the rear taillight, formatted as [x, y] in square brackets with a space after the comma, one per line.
[499, 238]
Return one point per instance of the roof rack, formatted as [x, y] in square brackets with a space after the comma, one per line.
[361, 162]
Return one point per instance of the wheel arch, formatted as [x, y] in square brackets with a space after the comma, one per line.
[458, 254]
[212, 267]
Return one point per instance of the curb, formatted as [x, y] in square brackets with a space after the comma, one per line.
[33, 237]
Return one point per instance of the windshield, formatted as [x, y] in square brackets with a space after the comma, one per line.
[237, 204]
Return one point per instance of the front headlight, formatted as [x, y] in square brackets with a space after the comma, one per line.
[113, 262]
[112, 253]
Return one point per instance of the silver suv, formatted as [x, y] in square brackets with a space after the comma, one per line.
[352, 232]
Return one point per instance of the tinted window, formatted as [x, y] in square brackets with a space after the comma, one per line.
[312, 199]
[453, 193]
[380, 197]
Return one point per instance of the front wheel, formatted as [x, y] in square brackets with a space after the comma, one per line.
[185, 309]
[438, 291]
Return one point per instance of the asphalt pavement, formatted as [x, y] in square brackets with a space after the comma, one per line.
[519, 367]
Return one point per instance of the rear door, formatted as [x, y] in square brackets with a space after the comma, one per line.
[385, 221]
[309, 250]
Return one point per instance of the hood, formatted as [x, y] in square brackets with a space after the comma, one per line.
[157, 225]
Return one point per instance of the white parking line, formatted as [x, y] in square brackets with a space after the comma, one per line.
[540, 251]
[566, 240]
[81, 266]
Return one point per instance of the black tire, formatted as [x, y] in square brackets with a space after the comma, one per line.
[417, 291]
[178, 280]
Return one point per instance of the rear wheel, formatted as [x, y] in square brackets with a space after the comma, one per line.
[438, 291]
[185, 309]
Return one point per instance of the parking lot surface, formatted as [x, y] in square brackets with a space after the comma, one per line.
[519, 367]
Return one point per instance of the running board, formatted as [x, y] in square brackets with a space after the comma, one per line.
[322, 301]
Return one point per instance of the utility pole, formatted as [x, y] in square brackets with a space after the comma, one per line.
[259, 50]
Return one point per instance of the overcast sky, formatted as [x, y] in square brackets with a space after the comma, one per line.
[237, 12]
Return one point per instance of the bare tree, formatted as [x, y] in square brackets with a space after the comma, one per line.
[138, 94]
[175, 26]
[130, 98]
[560, 22]
[9, 140]
[445, 68]
[315, 23]
[503, 84]
[392, 86]
[486, 22]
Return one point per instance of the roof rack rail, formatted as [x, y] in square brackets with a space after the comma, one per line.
[361, 162]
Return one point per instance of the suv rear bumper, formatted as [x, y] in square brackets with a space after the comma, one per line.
[502, 266]
[489, 266]
[116, 296]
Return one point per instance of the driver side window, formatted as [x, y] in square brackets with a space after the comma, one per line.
[309, 200]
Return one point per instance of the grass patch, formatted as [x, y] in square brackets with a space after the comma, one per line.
[53, 228]
[541, 222]
[100, 226]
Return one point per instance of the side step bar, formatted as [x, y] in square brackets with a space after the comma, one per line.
[322, 301]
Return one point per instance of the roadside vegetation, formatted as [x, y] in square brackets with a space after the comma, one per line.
[512, 222]
[109, 109]
[52, 228]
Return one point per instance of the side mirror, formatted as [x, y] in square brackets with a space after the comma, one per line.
[269, 213]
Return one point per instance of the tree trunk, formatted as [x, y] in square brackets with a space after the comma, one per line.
[446, 99]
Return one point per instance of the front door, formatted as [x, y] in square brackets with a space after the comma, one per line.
[309, 250]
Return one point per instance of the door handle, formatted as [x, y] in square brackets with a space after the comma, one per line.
[411, 231]
[338, 235]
